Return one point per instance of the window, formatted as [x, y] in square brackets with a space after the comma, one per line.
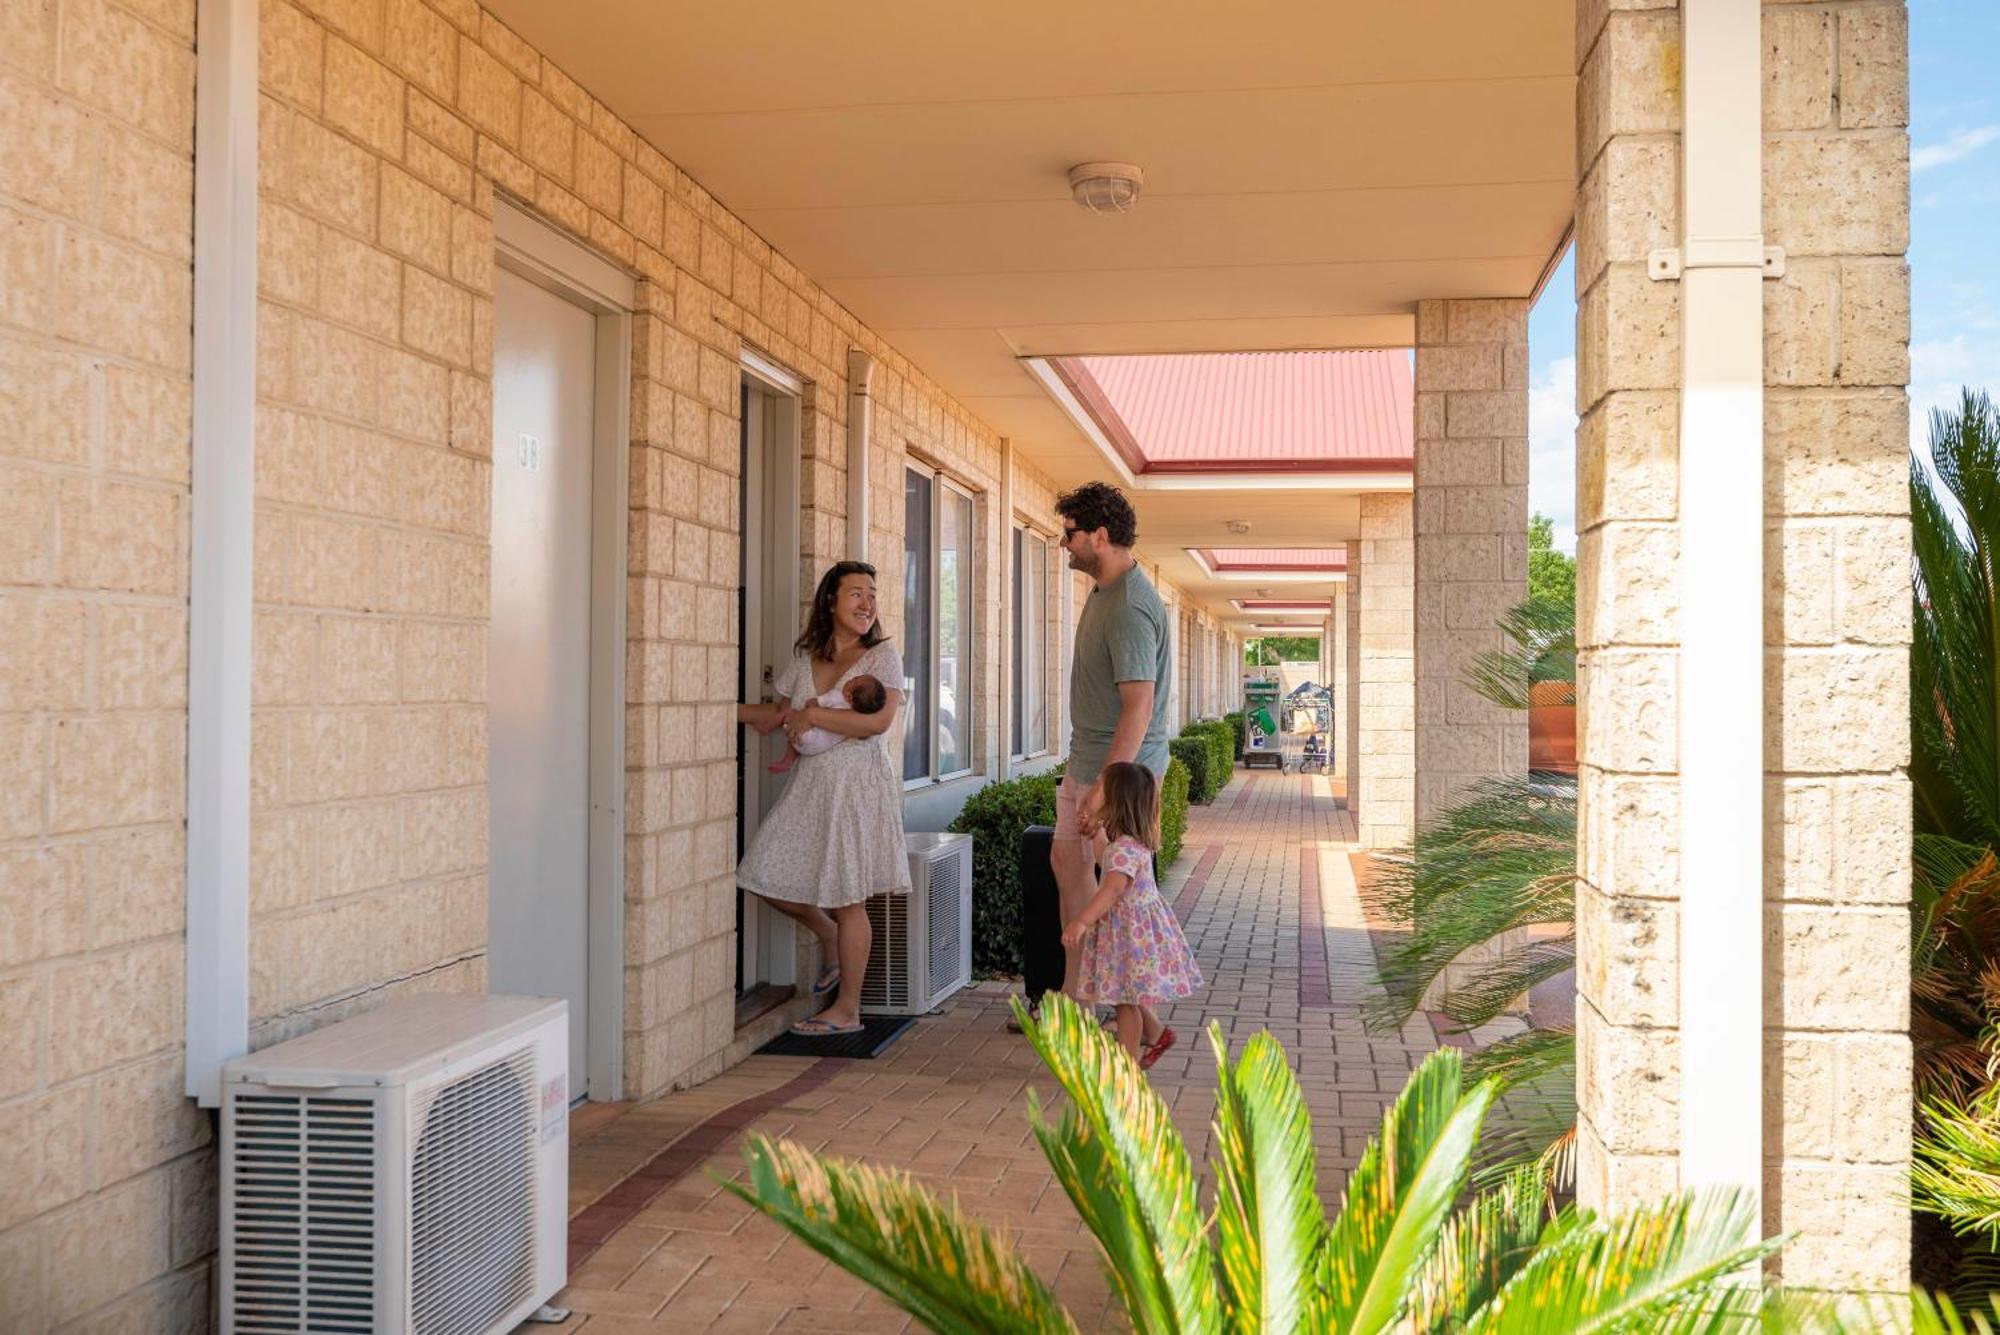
[937, 626]
[1031, 611]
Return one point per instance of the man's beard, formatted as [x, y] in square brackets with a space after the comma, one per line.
[1084, 562]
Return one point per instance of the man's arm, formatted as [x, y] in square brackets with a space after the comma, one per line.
[1135, 715]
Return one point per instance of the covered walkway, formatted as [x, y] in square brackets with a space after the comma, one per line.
[1265, 891]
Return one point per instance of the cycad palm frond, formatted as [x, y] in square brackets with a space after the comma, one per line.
[1479, 1250]
[1399, 1195]
[1936, 1315]
[1125, 1167]
[946, 1271]
[1955, 712]
[1956, 1173]
[1270, 1224]
[1654, 1268]
[1500, 859]
[1955, 962]
[1543, 631]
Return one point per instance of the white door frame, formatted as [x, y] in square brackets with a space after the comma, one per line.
[768, 951]
[530, 248]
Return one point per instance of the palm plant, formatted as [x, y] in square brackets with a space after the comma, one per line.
[1955, 779]
[1496, 864]
[1543, 649]
[1400, 1253]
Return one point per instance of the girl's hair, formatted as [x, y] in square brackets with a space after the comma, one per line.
[817, 639]
[1131, 808]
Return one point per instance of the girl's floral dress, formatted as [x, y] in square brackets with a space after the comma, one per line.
[1136, 954]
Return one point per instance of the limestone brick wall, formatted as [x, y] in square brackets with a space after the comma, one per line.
[387, 130]
[1471, 535]
[1385, 750]
[1837, 814]
[106, 1211]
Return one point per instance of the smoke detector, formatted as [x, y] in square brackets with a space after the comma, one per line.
[1106, 187]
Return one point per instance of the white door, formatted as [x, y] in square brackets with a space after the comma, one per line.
[538, 652]
[769, 620]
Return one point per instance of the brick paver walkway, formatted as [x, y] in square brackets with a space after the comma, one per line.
[1268, 900]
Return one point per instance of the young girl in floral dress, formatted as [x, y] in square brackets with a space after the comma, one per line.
[1134, 955]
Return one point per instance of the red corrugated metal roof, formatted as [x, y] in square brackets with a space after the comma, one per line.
[1282, 411]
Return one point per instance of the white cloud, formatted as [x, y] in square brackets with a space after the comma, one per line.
[1962, 144]
[1940, 370]
[1552, 448]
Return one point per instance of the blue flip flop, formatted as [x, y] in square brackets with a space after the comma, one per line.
[828, 980]
[818, 1028]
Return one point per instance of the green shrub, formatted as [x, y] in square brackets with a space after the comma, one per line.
[1220, 738]
[1194, 752]
[995, 816]
[1173, 814]
[1239, 723]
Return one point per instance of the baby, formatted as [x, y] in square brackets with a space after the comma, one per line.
[864, 695]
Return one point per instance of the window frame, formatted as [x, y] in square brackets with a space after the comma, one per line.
[1021, 536]
[942, 486]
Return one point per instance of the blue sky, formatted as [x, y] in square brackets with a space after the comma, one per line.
[1954, 264]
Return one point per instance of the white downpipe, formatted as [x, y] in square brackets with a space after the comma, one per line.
[222, 504]
[860, 412]
[1722, 600]
[1003, 525]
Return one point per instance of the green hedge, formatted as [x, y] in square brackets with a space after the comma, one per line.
[995, 816]
[1173, 814]
[1220, 738]
[1239, 723]
[1195, 753]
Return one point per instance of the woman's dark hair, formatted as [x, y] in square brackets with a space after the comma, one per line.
[1096, 505]
[817, 639]
[1131, 803]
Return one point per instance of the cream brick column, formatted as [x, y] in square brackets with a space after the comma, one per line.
[1350, 696]
[1337, 679]
[1386, 751]
[1471, 535]
[1836, 1073]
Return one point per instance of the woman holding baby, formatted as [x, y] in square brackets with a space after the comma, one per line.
[835, 838]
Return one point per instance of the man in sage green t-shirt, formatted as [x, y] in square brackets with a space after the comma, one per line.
[1117, 695]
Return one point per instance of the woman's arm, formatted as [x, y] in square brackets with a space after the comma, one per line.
[762, 715]
[1115, 883]
[845, 721]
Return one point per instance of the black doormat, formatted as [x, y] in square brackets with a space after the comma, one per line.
[877, 1032]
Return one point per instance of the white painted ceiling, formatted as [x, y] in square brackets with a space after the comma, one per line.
[1313, 168]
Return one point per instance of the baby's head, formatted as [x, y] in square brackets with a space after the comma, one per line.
[865, 695]
[1131, 803]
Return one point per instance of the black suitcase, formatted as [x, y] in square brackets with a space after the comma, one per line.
[1041, 916]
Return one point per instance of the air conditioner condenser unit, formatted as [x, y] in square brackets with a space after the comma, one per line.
[923, 940]
[403, 1171]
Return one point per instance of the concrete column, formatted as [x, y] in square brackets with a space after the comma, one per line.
[1350, 698]
[1337, 679]
[1836, 1071]
[1471, 535]
[1386, 750]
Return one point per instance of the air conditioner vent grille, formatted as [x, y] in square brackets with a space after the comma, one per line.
[473, 1184]
[886, 986]
[941, 913]
[303, 1178]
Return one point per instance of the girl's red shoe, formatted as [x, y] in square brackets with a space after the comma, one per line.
[1157, 1049]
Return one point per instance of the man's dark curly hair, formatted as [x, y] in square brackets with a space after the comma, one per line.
[1096, 505]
